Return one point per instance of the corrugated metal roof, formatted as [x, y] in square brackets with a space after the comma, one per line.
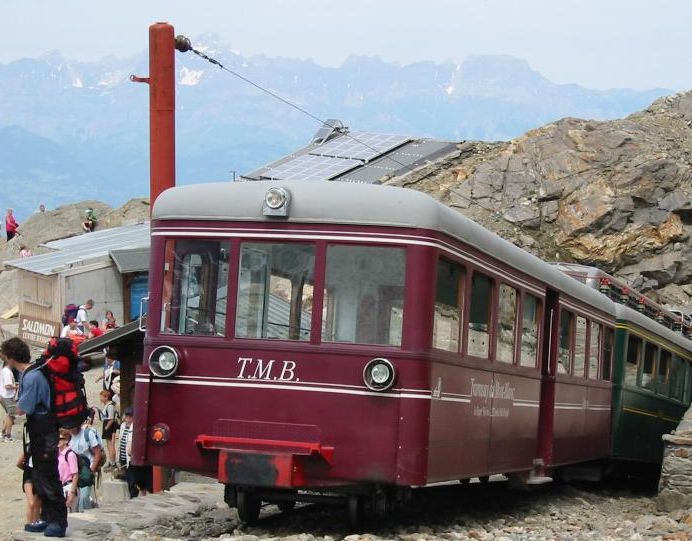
[131, 259]
[84, 248]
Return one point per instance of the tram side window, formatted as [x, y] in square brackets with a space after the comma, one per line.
[506, 323]
[565, 345]
[275, 291]
[664, 363]
[529, 331]
[648, 380]
[634, 354]
[448, 302]
[580, 347]
[364, 297]
[478, 342]
[594, 348]
[195, 287]
[607, 361]
[677, 378]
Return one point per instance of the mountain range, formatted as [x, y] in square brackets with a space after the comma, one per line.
[73, 130]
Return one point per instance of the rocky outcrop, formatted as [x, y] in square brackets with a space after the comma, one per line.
[615, 194]
[66, 221]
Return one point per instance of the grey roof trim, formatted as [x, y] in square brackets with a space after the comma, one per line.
[625, 313]
[131, 259]
[83, 249]
[116, 335]
[366, 204]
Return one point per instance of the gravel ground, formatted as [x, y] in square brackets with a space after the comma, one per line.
[559, 513]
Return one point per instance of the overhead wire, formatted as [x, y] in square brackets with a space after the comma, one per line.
[322, 122]
[341, 130]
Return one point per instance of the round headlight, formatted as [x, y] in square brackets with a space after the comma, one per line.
[379, 374]
[275, 197]
[163, 362]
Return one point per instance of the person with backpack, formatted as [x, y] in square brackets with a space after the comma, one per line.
[83, 315]
[111, 369]
[68, 470]
[42, 428]
[109, 417]
[89, 223]
[88, 447]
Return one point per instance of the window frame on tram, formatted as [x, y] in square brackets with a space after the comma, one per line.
[538, 322]
[441, 312]
[490, 299]
[459, 272]
[500, 303]
[202, 278]
[234, 247]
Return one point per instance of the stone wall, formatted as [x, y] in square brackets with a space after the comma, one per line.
[675, 486]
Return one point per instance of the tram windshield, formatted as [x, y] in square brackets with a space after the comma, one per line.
[275, 291]
[364, 297]
[195, 287]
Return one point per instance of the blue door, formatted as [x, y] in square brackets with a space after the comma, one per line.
[138, 290]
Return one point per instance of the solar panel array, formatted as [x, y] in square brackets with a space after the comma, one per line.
[359, 145]
[333, 158]
[308, 167]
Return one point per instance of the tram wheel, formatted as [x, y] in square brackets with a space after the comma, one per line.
[286, 505]
[483, 478]
[248, 507]
[356, 513]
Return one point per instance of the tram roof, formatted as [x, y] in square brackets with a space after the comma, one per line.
[625, 313]
[361, 204]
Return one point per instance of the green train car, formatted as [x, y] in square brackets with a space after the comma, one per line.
[652, 386]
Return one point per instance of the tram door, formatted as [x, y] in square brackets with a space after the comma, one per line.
[548, 371]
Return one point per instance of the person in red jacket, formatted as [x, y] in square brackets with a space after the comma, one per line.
[11, 225]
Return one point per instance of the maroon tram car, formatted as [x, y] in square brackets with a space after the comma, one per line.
[314, 341]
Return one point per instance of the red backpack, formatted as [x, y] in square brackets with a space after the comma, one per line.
[68, 397]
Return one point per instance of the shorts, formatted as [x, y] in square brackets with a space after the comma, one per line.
[26, 477]
[107, 433]
[9, 405]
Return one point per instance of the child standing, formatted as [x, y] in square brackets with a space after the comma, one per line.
[8, 391]
[68, 470]
[109, 415]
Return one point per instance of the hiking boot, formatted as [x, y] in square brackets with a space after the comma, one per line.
[35, 527]
[55, 530]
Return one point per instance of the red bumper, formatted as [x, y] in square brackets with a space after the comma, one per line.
[267, 463]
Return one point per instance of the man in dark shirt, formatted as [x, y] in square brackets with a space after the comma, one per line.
[42, 427]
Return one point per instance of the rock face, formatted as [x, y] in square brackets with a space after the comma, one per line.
[614, 194]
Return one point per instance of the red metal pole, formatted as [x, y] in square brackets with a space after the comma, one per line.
[161, 140]
[161, 109]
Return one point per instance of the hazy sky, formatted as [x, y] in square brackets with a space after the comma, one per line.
[595, 43]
